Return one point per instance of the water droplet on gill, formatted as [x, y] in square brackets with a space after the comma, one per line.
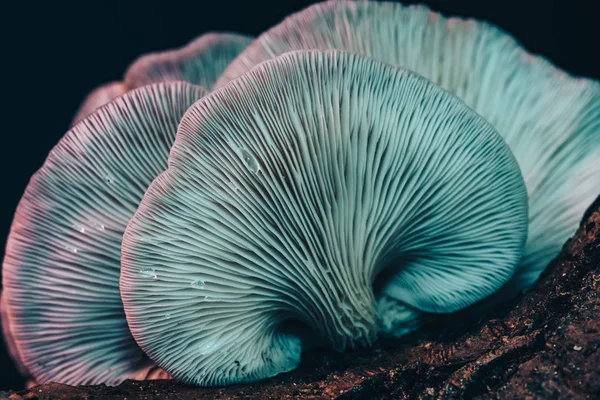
[70, 249]
[207, 348]
[198, 284]
[213, 299]
[109, 179]
[249, 160]
[148, 273]
[97, 225]
[79, 228]
[167, 316]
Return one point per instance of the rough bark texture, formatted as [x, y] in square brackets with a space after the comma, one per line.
[545, 345]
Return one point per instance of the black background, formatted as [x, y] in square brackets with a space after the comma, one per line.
[55, 53]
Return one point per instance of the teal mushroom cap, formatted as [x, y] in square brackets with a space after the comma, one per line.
[290, 191]
[550, 120]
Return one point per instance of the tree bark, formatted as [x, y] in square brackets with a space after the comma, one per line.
[545, 345]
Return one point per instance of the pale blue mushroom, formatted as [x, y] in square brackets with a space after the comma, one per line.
[550, 120]
[290, 192]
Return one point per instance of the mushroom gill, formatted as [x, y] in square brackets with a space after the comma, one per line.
[550, 120]
[200, 62]
[289, 191]
[61, 269]
[97, 98]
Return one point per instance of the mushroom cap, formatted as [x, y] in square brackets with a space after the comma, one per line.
[289, 190]
[550, 120]
[10, 341]
[97, 98]
[61, 269]
[199, 62]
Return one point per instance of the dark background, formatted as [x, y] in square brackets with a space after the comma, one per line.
[56, 53]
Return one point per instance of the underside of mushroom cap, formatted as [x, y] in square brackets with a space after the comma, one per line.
[97, 98]
[200, 62]
[550, 120]
[61, 269]
[10, 341]
[289, 190]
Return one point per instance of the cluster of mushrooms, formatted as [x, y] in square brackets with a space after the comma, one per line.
[237, 201]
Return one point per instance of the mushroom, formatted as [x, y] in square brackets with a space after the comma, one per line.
[199, 62]
[289, 191]
[10, 341]
[61, 268]
[99, 97]
[550, 120]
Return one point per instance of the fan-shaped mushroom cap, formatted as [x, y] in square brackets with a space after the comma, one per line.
[10, 341]
[200, 62]
[551, 121]
[97, 98]
[289, 190]
[61, 270]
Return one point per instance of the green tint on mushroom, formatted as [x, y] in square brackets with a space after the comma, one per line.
[290, 191]
[550, 120]
[61, 269]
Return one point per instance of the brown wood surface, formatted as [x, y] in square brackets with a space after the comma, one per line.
[545, 345]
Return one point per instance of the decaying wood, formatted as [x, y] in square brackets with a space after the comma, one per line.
[545, 345]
